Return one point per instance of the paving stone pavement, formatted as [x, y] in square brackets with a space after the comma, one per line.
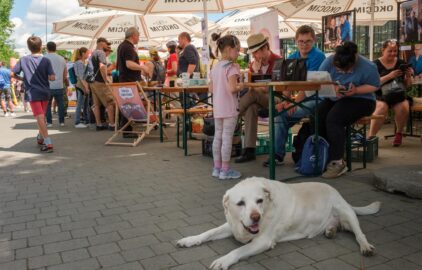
[89, 206]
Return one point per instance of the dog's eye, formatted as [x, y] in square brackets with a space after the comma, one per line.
[241, 203]
[259, 201]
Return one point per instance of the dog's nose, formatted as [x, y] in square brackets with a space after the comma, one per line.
[255, 216]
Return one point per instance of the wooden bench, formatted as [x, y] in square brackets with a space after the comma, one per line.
[180, 113]
[353, 130]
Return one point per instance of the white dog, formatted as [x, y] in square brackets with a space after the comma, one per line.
[262, 212]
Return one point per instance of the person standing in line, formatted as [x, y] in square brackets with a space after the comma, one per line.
[224, 77]
[171, 68]
[128, 67]
[82, 88]
[189, 57]
[59, 85]
[37, 71]
[5, 91]
[101, 94]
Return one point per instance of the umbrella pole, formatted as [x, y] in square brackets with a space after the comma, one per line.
[371, 32]
[205, 47]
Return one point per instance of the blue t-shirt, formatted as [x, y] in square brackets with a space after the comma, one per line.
[364, 72]
[416, 65]
[36, 70]
[346, 34]
[314, 59]
[4, 78]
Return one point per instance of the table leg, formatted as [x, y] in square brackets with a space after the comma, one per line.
[185, 143]
[160, 116]
[316, 148]
[271, 126]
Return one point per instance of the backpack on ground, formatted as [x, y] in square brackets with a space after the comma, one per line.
[159, 73]
[299, 141]
[72, 76]
[307, 162]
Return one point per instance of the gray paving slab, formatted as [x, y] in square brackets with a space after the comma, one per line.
[89, 206]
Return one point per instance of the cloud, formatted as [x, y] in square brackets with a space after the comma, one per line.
[34, 21]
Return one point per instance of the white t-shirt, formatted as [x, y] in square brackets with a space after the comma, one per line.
[59, 64]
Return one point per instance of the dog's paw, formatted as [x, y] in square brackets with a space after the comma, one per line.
[189, 241]
[367, 250]
[222, 263]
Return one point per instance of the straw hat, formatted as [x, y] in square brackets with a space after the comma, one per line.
[153, 51]
[256, 41]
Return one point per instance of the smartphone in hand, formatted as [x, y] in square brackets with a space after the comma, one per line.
[403, 67]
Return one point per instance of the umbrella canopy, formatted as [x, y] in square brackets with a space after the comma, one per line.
[179, 6]
[238, 24]
[73, 43]
[311, 10]
[111, 24]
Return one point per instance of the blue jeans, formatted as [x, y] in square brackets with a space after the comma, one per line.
[57, 94]
[82, 104]
[283, 122]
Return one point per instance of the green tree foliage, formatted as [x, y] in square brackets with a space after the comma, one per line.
[6, 28]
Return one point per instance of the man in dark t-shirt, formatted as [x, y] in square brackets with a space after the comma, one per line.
[127, 58]
[129, 67]
[189, 57]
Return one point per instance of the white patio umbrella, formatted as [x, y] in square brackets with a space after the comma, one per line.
[111, 24]
[176, 6]
[368, 12]
[180, 6]
[73, 42]
[238, 24]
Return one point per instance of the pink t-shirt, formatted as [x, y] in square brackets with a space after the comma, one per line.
[225, 103]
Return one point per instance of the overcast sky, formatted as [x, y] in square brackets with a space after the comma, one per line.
[29, 18]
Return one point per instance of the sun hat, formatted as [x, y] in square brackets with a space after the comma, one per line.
[256, 41]
[153, 51]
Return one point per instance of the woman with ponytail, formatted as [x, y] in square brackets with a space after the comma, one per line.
[82, 88]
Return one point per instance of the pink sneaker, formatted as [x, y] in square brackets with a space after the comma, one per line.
[397, 139]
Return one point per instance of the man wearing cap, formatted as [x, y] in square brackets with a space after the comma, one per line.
[128, 66]
[189, 57]
[256, 98]
[101, 94]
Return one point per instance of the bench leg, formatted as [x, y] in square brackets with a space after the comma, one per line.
[177, 131]
[349, 147]
[364, 146]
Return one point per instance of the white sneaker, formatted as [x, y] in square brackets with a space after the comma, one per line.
[13, 114]
[49, 125]
[80, 125]
[62, 124]
[230, 174]
[215, 172]
[6, 114]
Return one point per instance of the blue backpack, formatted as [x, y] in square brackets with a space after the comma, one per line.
[306, 164]
[72, 76]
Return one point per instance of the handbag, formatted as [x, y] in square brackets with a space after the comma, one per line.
[391, 87]
[209, 126]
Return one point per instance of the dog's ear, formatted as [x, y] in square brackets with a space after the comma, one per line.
[226, 202]
[267, 193]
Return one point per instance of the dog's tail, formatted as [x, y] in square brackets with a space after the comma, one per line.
[368, 210]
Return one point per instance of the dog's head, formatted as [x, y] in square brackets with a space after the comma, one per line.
[245, 205]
